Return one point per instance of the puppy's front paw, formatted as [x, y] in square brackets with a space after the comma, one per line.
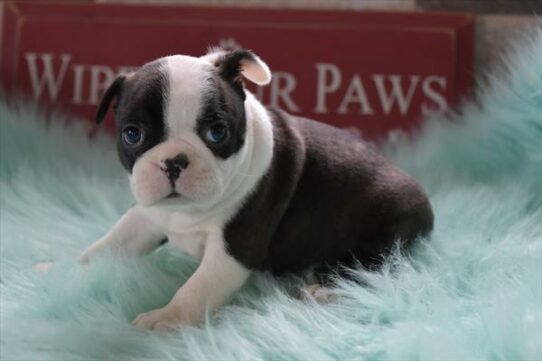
[166, 318]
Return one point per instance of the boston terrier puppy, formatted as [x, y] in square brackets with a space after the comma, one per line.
[244, 188]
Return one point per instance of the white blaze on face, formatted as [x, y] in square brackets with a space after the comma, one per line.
[187, 77]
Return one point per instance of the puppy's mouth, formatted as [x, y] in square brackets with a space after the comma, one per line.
[173, 194]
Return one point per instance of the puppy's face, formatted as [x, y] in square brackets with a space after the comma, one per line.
[182, 125]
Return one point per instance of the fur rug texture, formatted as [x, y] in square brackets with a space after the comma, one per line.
[471, 292]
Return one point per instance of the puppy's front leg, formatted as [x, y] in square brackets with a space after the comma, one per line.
[133, 233]
[218, 276]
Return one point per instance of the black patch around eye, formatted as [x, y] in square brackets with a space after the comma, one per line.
[152, 135]
[142, 105]
[224, 106]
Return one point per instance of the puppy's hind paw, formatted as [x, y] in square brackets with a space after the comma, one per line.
[316, 292]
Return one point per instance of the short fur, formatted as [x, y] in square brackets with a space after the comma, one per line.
[327, 198]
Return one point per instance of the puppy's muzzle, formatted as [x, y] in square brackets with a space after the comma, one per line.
[174, 166]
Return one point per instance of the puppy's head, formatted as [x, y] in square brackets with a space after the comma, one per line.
[181, 124]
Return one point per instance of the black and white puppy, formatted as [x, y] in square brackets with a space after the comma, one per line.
[242, 187]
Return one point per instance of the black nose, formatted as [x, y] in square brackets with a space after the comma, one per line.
[174, 166]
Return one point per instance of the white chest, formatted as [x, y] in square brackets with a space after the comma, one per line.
[184, 231]
[191, 243]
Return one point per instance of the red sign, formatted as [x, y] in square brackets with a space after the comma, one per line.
[370, 70]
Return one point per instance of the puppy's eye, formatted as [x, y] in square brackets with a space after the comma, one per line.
[216, 133]
[132, 135]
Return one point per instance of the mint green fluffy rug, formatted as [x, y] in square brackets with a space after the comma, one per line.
[472, 292]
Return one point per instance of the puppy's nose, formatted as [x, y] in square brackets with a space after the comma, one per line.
[174, 166]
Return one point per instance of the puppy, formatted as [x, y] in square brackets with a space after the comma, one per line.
[244, 188]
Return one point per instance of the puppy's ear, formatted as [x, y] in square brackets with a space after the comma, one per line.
[238, 64]
[113, 91]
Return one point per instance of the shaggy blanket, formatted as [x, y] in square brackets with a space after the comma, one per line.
[471, 292]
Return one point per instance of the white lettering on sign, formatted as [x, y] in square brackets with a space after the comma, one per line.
[47, 81]
[391, 92]
[396, 95]
[100, 78]
[355, 94]
[437, 98]
[48, 78]
[78, 73]
[325, 84]
[284, 93]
